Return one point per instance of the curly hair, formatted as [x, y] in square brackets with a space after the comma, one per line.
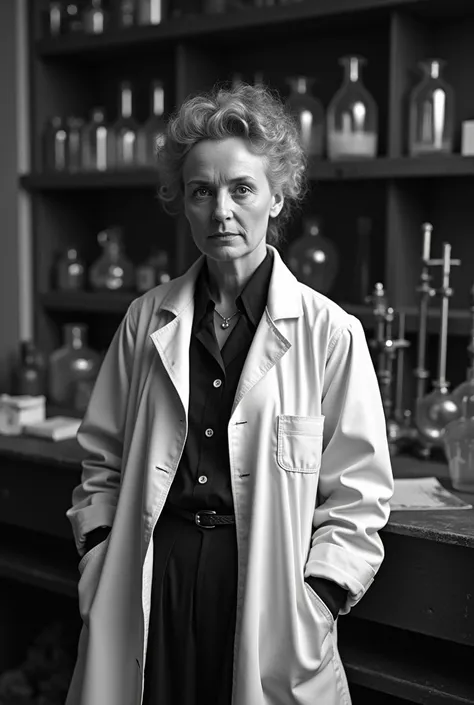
[255, 113]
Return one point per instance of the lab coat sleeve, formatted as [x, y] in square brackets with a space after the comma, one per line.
[94, 500]
[356, 481]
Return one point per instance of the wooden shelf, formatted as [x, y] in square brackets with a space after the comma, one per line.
[136, 178]
[202, 26]
[381, 168]
[90, 301]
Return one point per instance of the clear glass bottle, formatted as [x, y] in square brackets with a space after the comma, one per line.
[75, 127]
[459, 448]
[309, 113]
[56, 19]
[125, 130]
[97, 143]
[112, 270]
[72, 363]
[431, 128]
[352, 116]
[95, 17]
[151, 134]
[55, 145]
[29, 375]
[70, 271]
[149, 12]
[126, 13]
[313, 258]
[153, 271]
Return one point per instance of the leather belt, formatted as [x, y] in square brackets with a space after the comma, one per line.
[205, 518]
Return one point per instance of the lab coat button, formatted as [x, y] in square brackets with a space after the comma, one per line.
[209, 432]
[202, 479]
[217, 383]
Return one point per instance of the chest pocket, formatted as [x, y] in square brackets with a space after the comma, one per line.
[300, 443]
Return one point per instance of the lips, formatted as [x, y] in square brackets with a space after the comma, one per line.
[224, 234]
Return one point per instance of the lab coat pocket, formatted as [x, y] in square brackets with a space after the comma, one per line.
[90, 569]
[300, 443]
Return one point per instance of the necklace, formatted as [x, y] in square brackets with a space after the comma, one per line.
[226, 320]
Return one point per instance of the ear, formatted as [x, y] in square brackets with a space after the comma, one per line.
[277, 204]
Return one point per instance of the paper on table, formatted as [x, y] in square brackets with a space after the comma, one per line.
[424, 493]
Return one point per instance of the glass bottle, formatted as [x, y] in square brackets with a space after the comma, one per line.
[153, 271]
[352, 116]
[431, 112]
[95, 18]
[74, 126]
[314, 259]
[70, 271]
[112, 270]
[97, 143]
[29, 374]
[459, 447]
[149, 12]
[56, 19]
[73, 18]
[72, 363]
[465, 389]
[151, 134]
[309, 113]
[127, 13]
[125, 130]
[55, 145]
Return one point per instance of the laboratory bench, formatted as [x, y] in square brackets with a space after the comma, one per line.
[409, 640]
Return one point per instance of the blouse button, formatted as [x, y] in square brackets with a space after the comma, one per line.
[217, 383]
[202, 479]
[209, 432]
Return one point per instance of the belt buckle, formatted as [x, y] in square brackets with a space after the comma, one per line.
[197, 518]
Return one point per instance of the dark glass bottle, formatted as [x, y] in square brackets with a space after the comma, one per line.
[29, 375]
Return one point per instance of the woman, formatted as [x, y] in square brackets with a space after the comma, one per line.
[237, 448]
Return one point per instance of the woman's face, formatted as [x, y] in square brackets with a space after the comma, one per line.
[227, 199]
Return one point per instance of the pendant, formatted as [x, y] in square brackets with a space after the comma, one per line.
[226, 324]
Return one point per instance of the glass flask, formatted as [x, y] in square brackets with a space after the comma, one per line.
[112, 270]
[433, 413]
[29, 374]
[309, 113]
[72, 363]
[459, 447]
[352, 116]
[74, 127]
[151, 134]
[70, 271]
[431, 119]
[55, 145]
[314, 259]
[95, 17]
[465, 389]
[149, 12]
[124, 131]
[97, 143]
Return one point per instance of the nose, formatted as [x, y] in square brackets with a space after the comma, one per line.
[223, 207]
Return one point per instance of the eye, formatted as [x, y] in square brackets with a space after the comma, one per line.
[200, 192]
[242, 190]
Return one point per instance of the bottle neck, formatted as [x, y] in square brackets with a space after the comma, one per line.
[126, 101]
[353, 70]
[75, 337]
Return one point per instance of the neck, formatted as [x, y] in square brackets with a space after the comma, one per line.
[228, 279]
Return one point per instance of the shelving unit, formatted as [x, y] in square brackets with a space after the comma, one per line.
[72, 74]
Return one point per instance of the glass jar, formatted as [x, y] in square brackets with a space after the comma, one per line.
[431, 128]
[459, 448]
[97, 143]
[151, 135]
[29, 374]
[70, 271]
[124, 131]
[72, 363]
[313, 258]
[55, 145]
[352, 116]
[74, 126]
[95, 18]
[112, 270]
[309, 113]
[149, 12]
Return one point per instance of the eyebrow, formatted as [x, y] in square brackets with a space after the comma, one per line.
[204, 182]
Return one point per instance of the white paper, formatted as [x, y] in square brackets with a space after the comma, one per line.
[424, 493]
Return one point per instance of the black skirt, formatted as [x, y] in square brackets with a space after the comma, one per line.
[192, 619]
